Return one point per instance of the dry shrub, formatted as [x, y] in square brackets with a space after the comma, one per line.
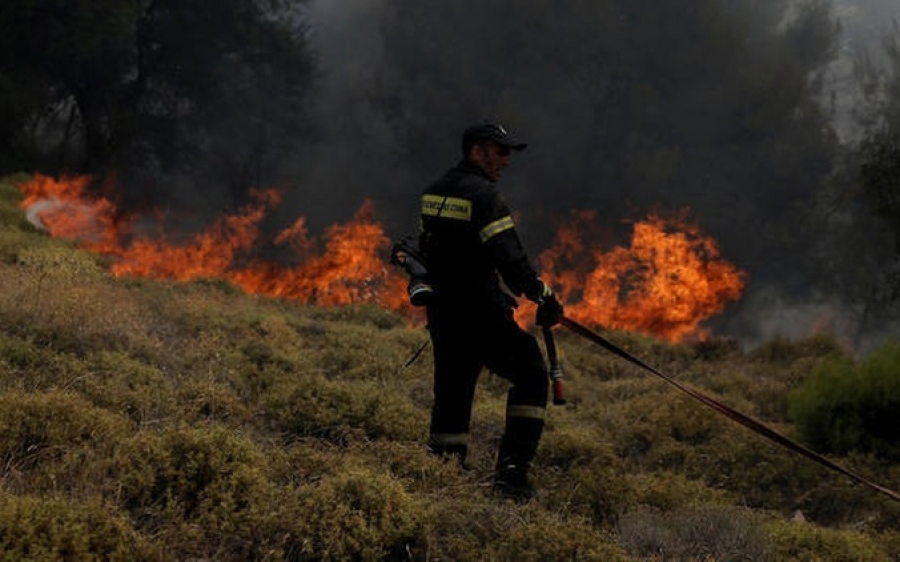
[309, 460]
[464, 526]
[50, 529]
[467, 529]
[63, 299]
[371, 314]
[597, 493]
[570, 444]
[10, 196]
[336, 410]
[202, 491]
[361, 351]
[542, 536]
[13, 239]
[707, 532]
[117, 381]
[209, 401]
[579, 473]
[661, 429]
[27, 364]
[357, 515]
[668, 490]
[49, 440]
[759, 471]
[803, 541]
[411, 463]
[763, 391]
[783, 351]
[841, 502]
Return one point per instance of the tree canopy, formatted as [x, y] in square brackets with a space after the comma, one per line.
[165, 87]
[631, 104]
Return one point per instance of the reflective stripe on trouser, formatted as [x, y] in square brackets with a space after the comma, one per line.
[524, 426]
[525, 411]
[444, 441]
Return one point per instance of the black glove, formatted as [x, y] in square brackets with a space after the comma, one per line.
[549, 311]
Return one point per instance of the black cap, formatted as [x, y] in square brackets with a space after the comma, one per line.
[491, 131]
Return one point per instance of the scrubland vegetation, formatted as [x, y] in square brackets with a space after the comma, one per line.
[147, 420]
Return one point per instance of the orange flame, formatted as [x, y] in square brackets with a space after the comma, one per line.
[665, 284]
[350, 270]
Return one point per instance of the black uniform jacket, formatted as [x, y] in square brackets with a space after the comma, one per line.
[468, 237]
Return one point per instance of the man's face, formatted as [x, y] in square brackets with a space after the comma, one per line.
[491, 157]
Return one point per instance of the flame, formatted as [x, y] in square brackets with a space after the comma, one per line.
[349, 269]
[665, 284]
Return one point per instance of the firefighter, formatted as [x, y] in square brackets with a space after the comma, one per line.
[470, 243]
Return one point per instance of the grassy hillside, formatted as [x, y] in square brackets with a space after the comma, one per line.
[145, 420]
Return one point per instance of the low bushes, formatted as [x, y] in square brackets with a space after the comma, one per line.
[50, 529]
[845, 407]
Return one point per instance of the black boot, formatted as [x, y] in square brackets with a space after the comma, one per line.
[450, 453]
[517, 448]
[511, 482]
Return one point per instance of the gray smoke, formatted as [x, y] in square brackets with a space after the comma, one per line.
[360, 152]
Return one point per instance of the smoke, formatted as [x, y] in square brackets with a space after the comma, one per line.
[606, 132]
[348, 159]
[864, 25]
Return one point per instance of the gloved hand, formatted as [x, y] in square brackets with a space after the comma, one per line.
[549, 311]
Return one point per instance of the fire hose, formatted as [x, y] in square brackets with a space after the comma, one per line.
[556, 376]
[738, 417]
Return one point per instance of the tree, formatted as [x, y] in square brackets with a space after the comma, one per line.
[632, 104]
[160, 87]
[57, 58]
[859, 244]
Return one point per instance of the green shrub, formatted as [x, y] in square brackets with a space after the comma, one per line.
[465, 529]
[36, 529]
[29, 364]
[662, 428]
[759, 472]
[358, 515]
[802, 541]
[117, 381]
[13, 240]
[541, 536]
[668, 491]
[11, 214]
[336, 410]
[845, 408]
[47, 438]
[188, 473]
[359, 314]
[568, 445]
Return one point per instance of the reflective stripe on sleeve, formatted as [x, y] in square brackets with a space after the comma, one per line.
[447, 207]
[496, 228]
[522, 411]
[546, 291]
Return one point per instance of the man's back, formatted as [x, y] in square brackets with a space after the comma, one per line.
[455, 211]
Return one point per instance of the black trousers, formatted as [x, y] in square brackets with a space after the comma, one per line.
[464, 342]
